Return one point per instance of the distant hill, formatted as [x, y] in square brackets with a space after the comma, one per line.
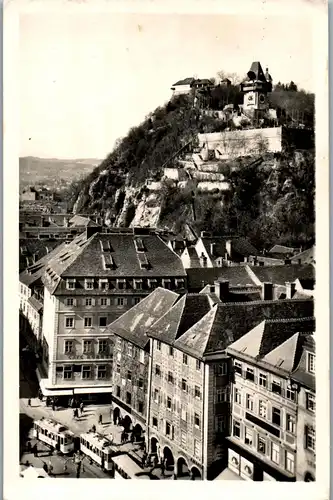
[54, 172]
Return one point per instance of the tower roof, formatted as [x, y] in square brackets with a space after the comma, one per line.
[256, 72]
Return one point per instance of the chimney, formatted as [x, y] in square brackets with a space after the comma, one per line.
[203, 260]
[92, 230]
[290, 289]
[267, 289]
[222, 289]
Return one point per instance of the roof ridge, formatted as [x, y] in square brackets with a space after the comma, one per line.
[276, 301]
[290, 320]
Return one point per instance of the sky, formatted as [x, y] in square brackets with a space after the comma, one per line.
[85, 80]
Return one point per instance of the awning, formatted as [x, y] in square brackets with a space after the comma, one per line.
[229, 475]
[92, 390]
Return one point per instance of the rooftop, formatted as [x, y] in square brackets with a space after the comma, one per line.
[279, 275]
[198, 277]
[134, 324]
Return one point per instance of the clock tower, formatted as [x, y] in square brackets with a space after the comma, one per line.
[255, 89]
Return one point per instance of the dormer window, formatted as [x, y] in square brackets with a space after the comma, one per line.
[138, 284]
[152, 283]
[108, 261]
[89, 283]
[180, 283]
[166, 283]
[121, 284]
[70, 284]
[103, 284]
[311, 362]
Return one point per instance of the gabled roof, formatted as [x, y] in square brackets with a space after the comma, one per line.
[134, 324]
[185, 313]
[265, 339]
[79, 220]
[279, 275]
[306, 257]
[281, 249]
[228, 322]
[36, 304]
[186, 81]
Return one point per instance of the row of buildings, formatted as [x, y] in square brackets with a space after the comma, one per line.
[210, 365]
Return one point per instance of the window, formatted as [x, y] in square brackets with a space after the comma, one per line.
[222, 395]
[290, 423]
[290, 462]
[276, 386]
[170, 351]
[120, 301]
[140, 407]
[104, 301]
[169, 403]
[276, 416]
[104, 284]
[220, 423]
[196, 448]
[158, 370]
[249, 375]
[249, 402]
[184, 414]
[152, 283]
[87, 322]
[222, 369]
[183, 439]
[167, 428]
[158, 345]
[70, 284]
[290, 394]
[129, 375]
[238, 396]
[170, 378]
[248, 436]
[156, 395]
[197, 392]
[142, 356]
[310, 402]
[102, 346]
[262, 409]
[128, 398]
[129, 350]
[87, 346]
[311, 362]
[68, 371]
[118, 368]
[184, 385]
[310, 435]
[138, 284]
[101, 371]
[197, 420]
[166, 284]
[185, 359]
[140, 382]
[275, 453]
[198, 364]
[155, 422]
[69, 302]
[68, 346]
[86, 371]
[121, 284]
[69, 322]
[118, 391]
[89, 284]
[261, 445]
[136, 300]
[88, 301]
[103, 321]
[262, 380]
[236, 429]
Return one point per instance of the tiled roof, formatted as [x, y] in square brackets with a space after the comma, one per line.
[306, 257]
[300, 373]
[87, 260]
[186, 81]
[227, 322]
[185, 313]
[279, 275]
[266, 338]
[198, 277]
[34, 246]
[281, 249]
[79, 220]
[134, 324]
[243, 247]
[35, 303]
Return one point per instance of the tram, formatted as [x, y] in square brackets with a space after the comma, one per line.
[98, 448]
[54, 434]
[126, 468]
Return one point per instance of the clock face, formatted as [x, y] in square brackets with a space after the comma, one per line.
[262, 99]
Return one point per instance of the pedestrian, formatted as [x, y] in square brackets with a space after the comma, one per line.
[74, 413]
[122, 437]
[45, 467]
[29, 446]
[162, 469]
[50, 468]
[155, 461]
[93, 428]
[29, 402]
[81, 408]
[174, 476]
[35, 450]
[100, 419]
[53, 406]
[144, 459]
[132, 437]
